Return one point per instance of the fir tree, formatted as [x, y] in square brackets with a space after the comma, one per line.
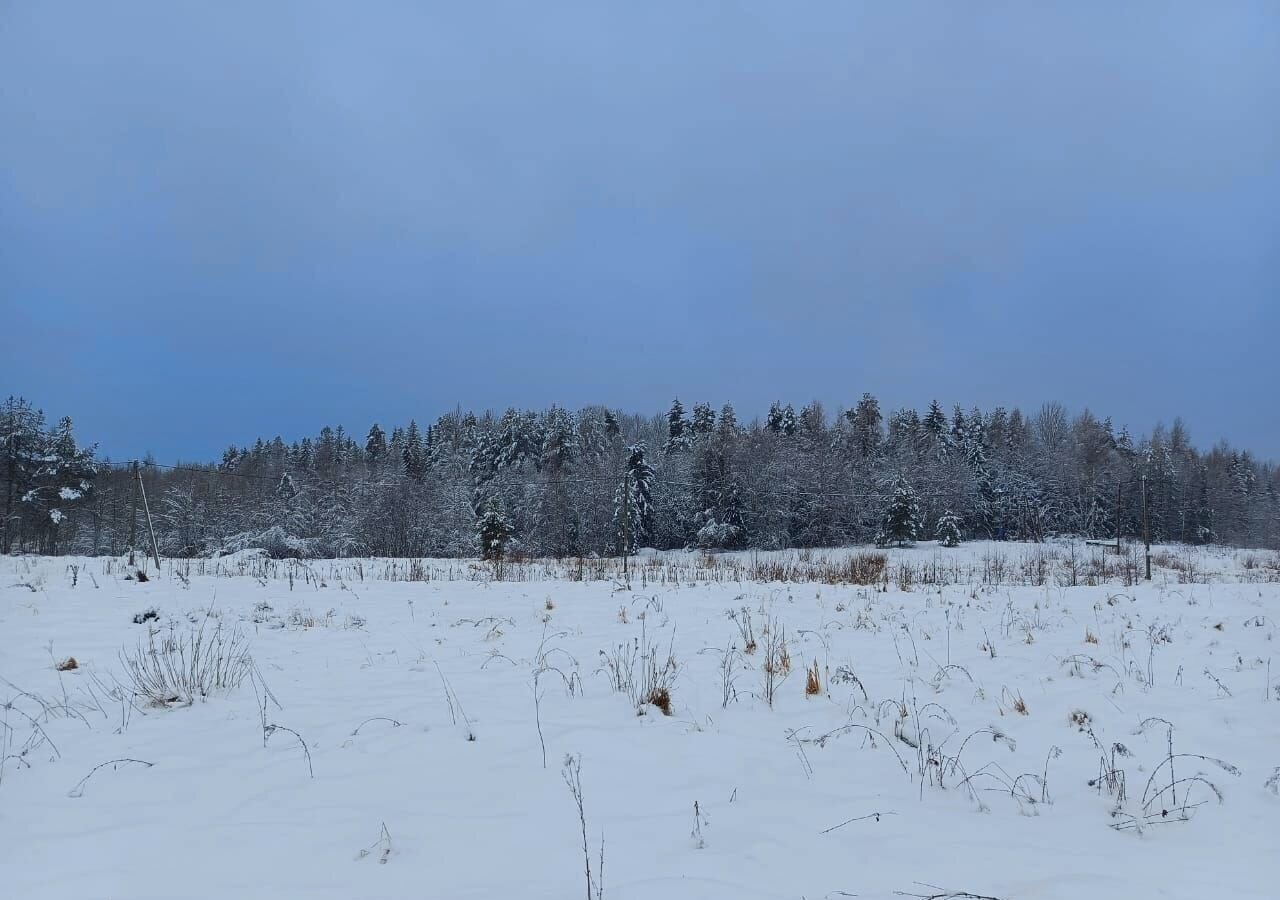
[728, 425]
[494, 529]
[704, 420]
[633, 510]
[934, 427]
[959, 427]
[773, 423]
[902, 517]
[865, 423]
[812, 422]
[412, 454]
[611, 428]
[787, 424]
[677, 427]
[375, 446]
[948, 530]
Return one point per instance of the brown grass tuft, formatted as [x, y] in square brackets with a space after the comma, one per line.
[661, 698]
[67, 664]
[1090, 637]
[812, 681]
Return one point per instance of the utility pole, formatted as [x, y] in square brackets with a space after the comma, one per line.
[133, 510]
[1119, 488]
[626, 521]
[1146, 530]
[142, 488]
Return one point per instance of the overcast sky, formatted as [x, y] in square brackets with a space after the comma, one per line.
[220, 220]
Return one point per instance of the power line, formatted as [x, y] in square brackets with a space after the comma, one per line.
[793, 493]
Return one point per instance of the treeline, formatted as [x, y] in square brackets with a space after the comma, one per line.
[562, 483]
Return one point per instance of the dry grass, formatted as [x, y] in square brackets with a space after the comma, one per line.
[661, 698]
[1067, 564]
[182, 668]
[67, 664]
[1090, 637]
[812, 681]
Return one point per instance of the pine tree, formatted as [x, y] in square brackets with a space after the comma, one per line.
[788, 424]
[63, 478]
[704, 420]
[948, 530]
[865, 422]
[21, 442]
[902, 517]
[412, 454]
[611, 427]
[934, 427]
[560, 445]
[494, 529]
[773, 423]
[959, 427]
[728, 425]
[375, 446]
[633, 510]
[677, 428]
[812, 422]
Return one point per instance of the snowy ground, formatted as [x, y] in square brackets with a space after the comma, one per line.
[387, 680]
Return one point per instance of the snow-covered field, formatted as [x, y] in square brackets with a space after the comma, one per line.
[402, 728]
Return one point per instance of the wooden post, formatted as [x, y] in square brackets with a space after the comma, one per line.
[626, 518]
[1146, 530]
[155, 548]
[1119, 488]
[133, 509]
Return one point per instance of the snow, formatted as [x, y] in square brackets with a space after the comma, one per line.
[384, 678]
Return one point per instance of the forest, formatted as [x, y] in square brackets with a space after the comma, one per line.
[600, 482]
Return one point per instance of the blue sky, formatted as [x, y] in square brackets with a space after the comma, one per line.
[225, 220]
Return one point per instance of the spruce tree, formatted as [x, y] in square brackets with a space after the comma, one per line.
[901, 524]
[773, 423]
[948, 530]
[728, 424]
[412, 454]
[375, 446]
[934, 427]
[866, 421]
[677, 427]
[633, 510]
[704, 419]
[495, 531]
[611, 427]
[788, 424]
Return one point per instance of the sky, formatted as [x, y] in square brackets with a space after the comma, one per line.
[220, 221]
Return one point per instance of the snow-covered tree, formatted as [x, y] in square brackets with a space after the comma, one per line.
[865, 425]
[901, 523]
[677, 428]
[633, 502]
[947, 531]
[375, 446]
[704, 420]
[494, 530]
[413, 453]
